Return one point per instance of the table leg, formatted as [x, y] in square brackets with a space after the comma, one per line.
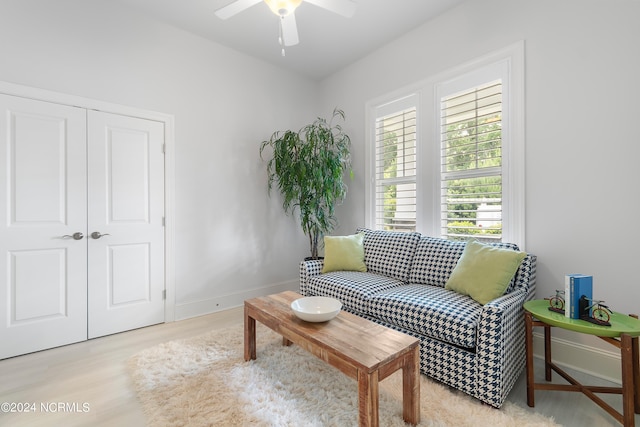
[411, 388]
[528, 343]
[635, 358]
[628, 386]
[547, 353]
[249, 336]
[368, 399]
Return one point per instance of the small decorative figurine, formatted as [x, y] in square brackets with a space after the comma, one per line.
[594, 311]
[557, 302]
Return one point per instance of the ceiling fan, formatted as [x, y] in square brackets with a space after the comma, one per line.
[285, 10]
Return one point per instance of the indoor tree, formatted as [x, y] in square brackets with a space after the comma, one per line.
[308, 167]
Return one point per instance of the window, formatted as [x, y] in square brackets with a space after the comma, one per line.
[471, 163]
[447, 158]
[395, 166]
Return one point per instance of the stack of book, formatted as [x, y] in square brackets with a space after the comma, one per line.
[576, 286]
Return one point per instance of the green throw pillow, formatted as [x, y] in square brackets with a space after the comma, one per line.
[344, 253]
[484, 272]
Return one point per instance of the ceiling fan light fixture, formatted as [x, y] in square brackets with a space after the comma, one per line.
[283, 8]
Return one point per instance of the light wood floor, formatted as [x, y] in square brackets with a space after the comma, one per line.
[94, 373]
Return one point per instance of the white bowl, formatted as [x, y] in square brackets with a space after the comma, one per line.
[316, 309]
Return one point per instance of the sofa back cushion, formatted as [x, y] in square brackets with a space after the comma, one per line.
[436, 258]
[389, 253]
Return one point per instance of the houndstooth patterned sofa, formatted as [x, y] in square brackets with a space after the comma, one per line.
[474, 348]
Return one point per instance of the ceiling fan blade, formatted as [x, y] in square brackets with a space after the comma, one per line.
[342, 7]
[289, 30]
[235, 7]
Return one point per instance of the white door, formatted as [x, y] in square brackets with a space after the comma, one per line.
[125, 226]
[68, 173]
[43, 270]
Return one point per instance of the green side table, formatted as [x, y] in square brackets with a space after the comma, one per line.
[623, 334]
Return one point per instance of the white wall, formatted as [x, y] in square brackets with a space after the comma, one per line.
[231, 239]
[582, 148]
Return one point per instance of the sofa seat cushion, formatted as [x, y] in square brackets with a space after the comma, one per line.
[352, 288]
[429, 310]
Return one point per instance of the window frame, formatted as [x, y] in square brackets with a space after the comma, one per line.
[509, 63]
[385, 110]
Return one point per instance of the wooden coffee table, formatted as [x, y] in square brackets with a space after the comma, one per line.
[361, 349]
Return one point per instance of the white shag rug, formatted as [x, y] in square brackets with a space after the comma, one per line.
[204, 381]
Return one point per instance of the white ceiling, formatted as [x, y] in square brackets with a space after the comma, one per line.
[328, 41]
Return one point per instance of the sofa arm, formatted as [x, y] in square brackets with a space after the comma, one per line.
[309, 269]
[500, 346]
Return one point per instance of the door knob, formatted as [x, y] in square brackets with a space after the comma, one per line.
[97, 235]
[74, 236]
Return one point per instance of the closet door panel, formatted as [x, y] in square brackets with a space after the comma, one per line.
[126, 207]
[43, 269]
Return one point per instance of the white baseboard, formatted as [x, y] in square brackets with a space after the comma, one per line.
[593, 361]
[225, 302]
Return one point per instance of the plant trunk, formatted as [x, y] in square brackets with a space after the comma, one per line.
[313, 242]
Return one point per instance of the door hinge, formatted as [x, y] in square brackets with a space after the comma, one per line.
[164, 148]
[164, 294]
[163, 222]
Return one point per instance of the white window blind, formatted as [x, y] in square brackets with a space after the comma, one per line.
[471, 163]
[395, 167]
